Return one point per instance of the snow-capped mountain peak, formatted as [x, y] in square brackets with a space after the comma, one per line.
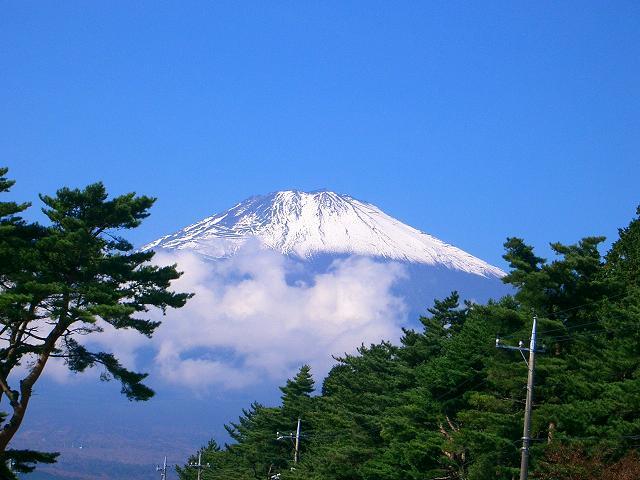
[321, 222]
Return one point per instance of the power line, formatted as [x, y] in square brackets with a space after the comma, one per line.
[563, 328]
[614, 297]
[567, 337]
[577, 439]
[586, 304]
[571, 334]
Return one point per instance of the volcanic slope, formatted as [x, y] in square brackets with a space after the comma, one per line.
[308, 225]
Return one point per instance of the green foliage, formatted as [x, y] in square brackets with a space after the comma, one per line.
[73, 277]
[447, 404]
[22, 461]
[296, 394]
[257, 453]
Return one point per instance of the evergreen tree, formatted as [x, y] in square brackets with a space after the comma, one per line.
[446, 404]
[354, 396]
[216, 464]
[65, 280]
[296, 394]
[15, 235]
[446, 318]
[255, 451]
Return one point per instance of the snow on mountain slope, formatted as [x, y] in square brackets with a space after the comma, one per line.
[308, 224]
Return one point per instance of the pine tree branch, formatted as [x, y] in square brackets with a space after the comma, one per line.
[8, 392]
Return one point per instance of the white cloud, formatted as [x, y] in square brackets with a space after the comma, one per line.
[247, 323]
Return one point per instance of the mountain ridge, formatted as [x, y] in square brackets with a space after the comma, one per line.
[306, 224]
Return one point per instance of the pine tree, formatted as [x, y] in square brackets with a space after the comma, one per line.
[255, 451]
[217, 464]
[70, 277]
[447, 404]
[296, 394]
[349, 415]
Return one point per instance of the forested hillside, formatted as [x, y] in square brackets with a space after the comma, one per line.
[447, 404]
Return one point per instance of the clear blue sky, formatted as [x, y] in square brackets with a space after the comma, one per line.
[470, 120]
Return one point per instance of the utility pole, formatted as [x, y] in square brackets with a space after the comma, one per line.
[531, 364]
[296, 441]
[296, 455]
[199, 466]
[163, 469]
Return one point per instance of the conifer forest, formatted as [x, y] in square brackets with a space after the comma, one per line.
[446, 404]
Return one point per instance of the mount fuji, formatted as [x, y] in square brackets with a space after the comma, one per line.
[280, 280]
[307, 226]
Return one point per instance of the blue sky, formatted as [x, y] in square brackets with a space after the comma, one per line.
[472, 121]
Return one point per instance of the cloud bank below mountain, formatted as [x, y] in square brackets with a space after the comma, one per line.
[249, 321]
[246, 321]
